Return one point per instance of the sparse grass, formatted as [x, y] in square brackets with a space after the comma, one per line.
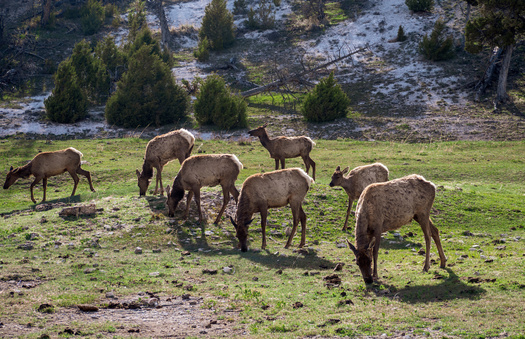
[478, 209]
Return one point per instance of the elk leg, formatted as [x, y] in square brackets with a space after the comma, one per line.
[313, 167]
[188, 201]
[235, 193]
[295, 216]
[88, 176]
[282, 163]
[157, 179]
[423, 222]
[376, 252]
[276, 164]
[306, 163]
[44, 185]
[302, 218]
[225, 200]
[348, 210]
[33, 184]
[75, 180]
[264, 215]
[198, 202]
[435, 235]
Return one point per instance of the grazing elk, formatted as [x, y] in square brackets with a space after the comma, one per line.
[48, 164]
[161, 150]
[204, 170]
[268, 190]
[282, 147]
[357, 180]
[387, 206]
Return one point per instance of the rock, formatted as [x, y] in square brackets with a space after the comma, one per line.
[153, 302]
[110, 295]
[138, 250]
[227, 269]
[185, 297]
[339, 267]
[90, 270]
[156, 250]
[46, 308]
[28, 246]
[333, 279]
[346, 302]
[186, 253]
[298, 304]
[154, 274]
[279, 271]
[77, 211]
[87, 308]
[209, 271]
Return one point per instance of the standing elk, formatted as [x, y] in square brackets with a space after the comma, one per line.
[357, 180]
[48, 164]
[282, 147]
[268, 190]
[387, 206]
[204, 170]
[161, 150]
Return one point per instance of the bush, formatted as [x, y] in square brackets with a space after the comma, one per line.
[67, 102]
[215, 104]
[147, 94]
[240, 7]
[108, 52]
[92, 17]
[136, 19]
[217, 25]
[203, 50]
[145, 37]
[326, 102]
[263, 17]
[437, 47]
[401, 34]
[420, 5]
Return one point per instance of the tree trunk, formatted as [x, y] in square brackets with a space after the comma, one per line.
[487, 76]
[164, 29]
[46, 13]
[503, 74]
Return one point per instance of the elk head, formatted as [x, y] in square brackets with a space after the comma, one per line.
[174, 197]
[241, 234]
[364, 258]
[259, 131]
[143, 183]
[11, 178]
[337, 177]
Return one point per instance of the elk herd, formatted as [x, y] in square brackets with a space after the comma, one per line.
[382, 206]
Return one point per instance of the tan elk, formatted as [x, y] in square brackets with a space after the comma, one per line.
[282, 147]
[269, 190]
[357, 180]
[161, 150]
[204, 170]
[387, 206]
[48, 164]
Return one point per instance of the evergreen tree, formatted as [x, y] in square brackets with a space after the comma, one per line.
[216, 105]
[217, 25]
[67, 102]
[501, 24]
[110, 55]
[326, 102]
[136, 19]
[437, 47]
[147, 94]
[420, 5]
[92, 17]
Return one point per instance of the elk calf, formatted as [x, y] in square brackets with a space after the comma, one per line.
[48, 164]
[282, 147]
[268, 190]
[204, 170]
[161, 150]
[387, 206]
[357, 180]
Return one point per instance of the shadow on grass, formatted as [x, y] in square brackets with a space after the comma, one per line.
[450, 288]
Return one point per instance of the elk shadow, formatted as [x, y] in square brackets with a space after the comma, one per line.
[450, 288]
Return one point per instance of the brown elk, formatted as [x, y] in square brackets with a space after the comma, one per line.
[48, 164]
[282, 147]
[204, 170]
[268, 190]
[387, 206]
[357, 180]
[161, 150]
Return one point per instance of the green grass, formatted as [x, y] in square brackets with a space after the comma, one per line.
[478, 209]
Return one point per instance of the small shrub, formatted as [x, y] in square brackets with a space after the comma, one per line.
[437, 47]
[136, 19]
[67, 102]
[217, 25]
[326, 102]
[147, 94]
[92, 17]
[108, 52]
[202, 53]
[216, 105]
[401, 34]
[420, 5]
[240, 7]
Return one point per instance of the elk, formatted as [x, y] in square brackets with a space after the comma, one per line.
[282, 147]
[268, 190]
[387, 206]
[161, 150]
[48, 164]
[357, 180]
[204, 170]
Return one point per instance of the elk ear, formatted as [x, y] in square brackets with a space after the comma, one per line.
[351, 247]
[233, 222]
[249, 222]
[345, 170]
[338, 168]
[11, 169]
[264, 126]
[138, 173]
[168, 190]
[372, 243]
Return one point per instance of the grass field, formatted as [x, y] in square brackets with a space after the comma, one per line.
[277, 292]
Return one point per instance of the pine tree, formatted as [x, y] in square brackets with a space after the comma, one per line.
[326, 102]
[437, 47]
[217, 25]
[67, 102]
